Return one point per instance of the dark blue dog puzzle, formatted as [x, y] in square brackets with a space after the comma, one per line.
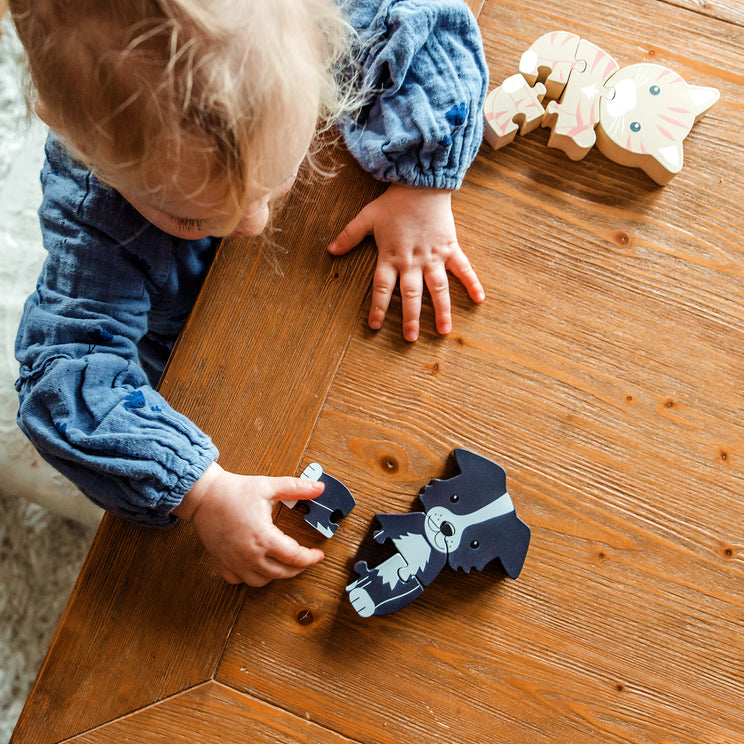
[324, 512]
[468, 521]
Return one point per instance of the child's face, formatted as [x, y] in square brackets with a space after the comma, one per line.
[180, 202]
[177, 197]
[191, 209]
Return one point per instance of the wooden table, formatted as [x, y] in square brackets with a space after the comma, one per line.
[604, 372]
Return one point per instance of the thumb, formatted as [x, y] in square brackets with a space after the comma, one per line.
[353, 234]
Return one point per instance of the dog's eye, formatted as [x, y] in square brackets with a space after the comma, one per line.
[475, 545]
[454, 498]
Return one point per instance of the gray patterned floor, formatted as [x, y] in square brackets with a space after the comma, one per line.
[40, 557]
[40, 552]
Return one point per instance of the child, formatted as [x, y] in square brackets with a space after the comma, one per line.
[175, 122]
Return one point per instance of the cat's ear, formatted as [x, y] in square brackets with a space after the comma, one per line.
[702, 99]
[671, 158]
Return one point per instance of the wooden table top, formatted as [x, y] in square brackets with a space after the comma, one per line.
[604, 372]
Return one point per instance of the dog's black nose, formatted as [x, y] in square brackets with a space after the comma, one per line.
[447, 529]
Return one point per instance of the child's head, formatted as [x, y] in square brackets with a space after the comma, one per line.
[197, 111]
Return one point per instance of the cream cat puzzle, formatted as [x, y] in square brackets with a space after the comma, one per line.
[637, 116]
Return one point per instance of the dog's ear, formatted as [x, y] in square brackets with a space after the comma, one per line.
[480, 474]
[514, 544]
[506, 538]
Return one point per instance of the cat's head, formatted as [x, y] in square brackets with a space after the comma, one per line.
[647, 115]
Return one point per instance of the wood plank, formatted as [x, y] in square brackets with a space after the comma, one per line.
[210, 713]
[283, 320]
[604, 372]
[144, 603]
[704, 50]
[725, 10]
[146, 600]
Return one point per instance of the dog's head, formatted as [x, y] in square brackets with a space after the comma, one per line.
[472, 517]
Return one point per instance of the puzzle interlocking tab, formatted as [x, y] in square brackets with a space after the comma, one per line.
[468, 521]
[637, 116]
[333, 504]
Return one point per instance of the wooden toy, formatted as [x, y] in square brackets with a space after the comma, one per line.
[324, 512]
[637, 116]
[514, 105]
[468, 521]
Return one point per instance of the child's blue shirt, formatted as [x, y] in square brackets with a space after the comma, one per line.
[115, 290]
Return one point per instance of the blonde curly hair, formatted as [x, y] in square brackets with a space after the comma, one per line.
[126, 81]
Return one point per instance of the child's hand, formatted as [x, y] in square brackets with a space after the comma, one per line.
[416, 240]
[232, 515]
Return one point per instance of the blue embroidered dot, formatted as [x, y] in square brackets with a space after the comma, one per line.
[135, 399]
[446, 141]
[157, 409]
[457, 114]
[100, 335]
[60, 427]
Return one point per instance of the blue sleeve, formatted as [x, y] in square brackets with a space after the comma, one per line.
[423, 63]
[85, 402]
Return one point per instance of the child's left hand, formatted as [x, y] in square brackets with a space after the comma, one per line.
[417, 242]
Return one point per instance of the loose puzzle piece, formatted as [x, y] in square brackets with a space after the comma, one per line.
[513, 106]
[324, 512]
[638, 116]
[468, 521]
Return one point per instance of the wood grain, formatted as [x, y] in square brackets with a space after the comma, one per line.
[207, 714]
[148, 617]
[604, 372]
[156, 597]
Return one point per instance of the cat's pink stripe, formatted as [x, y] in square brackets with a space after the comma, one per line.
[665, 133]
[498, 118]
[580, 125]
[564, 36]
[678, 110]
[676, 122]
[602, 58]
[665, 73]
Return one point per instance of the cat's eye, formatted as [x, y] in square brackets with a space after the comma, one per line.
[454, 498]
[635, 126]
[654, 90]
[475, 545]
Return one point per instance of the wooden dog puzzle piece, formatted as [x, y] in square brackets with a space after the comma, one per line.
[468, 521]
[324, 512]
[637, 116]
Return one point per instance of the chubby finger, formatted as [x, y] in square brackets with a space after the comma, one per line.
[411, 291]
[438, 285]
[353, 234]
[383, 286]
[287, 488]
[459, 265]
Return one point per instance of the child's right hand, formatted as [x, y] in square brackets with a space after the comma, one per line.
[232, 515]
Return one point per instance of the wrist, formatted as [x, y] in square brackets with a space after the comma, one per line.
[190, 502]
